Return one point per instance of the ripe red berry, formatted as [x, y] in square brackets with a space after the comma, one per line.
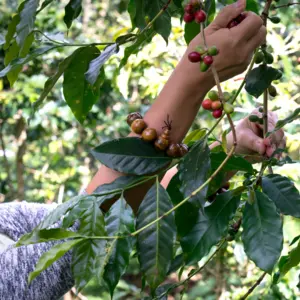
[188, 18]
[216, 105]
[208, 60]
[240, 18]
[189, 8]
[217, 113]
[233, 23]
[138, 126]
[200, 16]
[149, 135]
[206, 104]
[194, 57]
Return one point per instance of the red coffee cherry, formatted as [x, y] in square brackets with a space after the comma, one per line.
[138, 126]
[206, 104]
[208, 60]
[188, 18]
[217, 113]
[216, 105]
[232, 23]
[133, 116]
[194, 57]
[174, 150]
[200, 16]
[149, 135]
[240, 18]
[189, 8]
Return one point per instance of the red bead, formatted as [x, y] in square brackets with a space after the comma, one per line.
[188, 18]
[200, 16]
[194, 57]
[217, 113]
[240, 18]
[189, 8]
[208, 60]
[206, 104]
[233, 23]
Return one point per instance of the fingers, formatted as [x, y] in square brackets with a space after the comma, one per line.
[253, 142]
[228, 13]
[257, 40]
[249, 28]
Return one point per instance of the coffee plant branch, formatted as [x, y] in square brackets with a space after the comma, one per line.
[259, 280]
[286, 5]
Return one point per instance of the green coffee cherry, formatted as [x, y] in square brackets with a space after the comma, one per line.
[260, 121]
[259, 58]
[200, 50]
[227, 96]
[272, 91]
[213, 95]
[203, 67]
[275, 20]
[279, 75]
[213, 51]
[253, 118]
[228, 108]
[268, 58]
[261, 110]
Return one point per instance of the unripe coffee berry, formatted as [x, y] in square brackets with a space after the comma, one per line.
[208, 60]
[269, 58]
[188, 18]
[189, 8]
[138, 126]
[226, 96]
[259, 58]
[272, 91]
[232, 24]
[261, 110]
[200, 16]
[213, 51]
[133, 116]
[203, 66]
[194, 57]
[217, 113]
[200, 50]
[275, 19]
[253, 118]
[228, 108]
[149, 135]
[206, 104]
[183, 149]
[216, 105]
[213, 95]
[174, 150]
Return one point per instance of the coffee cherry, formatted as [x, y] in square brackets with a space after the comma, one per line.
[232, 24]
[226, 96]
[203, 66]
[226, 185]
[206, 104]
[200, 16]
[201, 50]
[278, 75]
[188, 18]
[259, 58]
[228, 108]
[275, 19]
[194, 57]
[268, 58]
[253, 118]
[272, 91]
[189, 8]
[240, 18]
[261, 121]
[261, 110]
[195, 3]
[133, 116]
[138, 126]
[208, 60]
[149, 135]
[213, 51]
[174, 150]
[213, 95]
[183, 149]
[216, 105]
[217, 113]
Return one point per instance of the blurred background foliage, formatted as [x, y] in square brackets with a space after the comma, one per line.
[48, 160]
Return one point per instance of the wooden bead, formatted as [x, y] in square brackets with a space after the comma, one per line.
[138, 126]
[183, 149]
[174, 150]
[161, 143]
[149, 135]
[133, 116]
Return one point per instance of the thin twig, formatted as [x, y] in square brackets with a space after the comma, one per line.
[286, 5]
[253, 287]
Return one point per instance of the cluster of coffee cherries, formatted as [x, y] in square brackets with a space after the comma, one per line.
[212, 103]
[256, 118]
[193, 12]
[203, 56]
[162, 141]
[236, 21]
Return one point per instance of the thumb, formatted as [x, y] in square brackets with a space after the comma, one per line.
[228, 13]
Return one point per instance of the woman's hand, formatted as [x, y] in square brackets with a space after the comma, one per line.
[250, 138]
[236, 45]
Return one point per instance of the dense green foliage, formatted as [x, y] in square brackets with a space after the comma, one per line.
[62, 94]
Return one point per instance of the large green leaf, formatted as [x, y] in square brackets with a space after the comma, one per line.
[211, 226]
[131, 156]
[262, 232]
[119, 222]
[252, 5]
[193, 172]
[44, 5]
[48, 258]
[283, 192]
[191, 30]
[72, 11]
[96, 64]
[11, 30]
[259, 79]
[155, 243]
[194, 136]
[136, 10]
[79, 94]
[21, 61]
[89, 255]
[27, 19]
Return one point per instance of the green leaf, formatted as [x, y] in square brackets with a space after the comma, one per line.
[211, 226]
[259, 79]
[131, 156]
[194, 136]
[236, 163]
[44, 5]
[252, 5]
[11, 30]
[283, 192]
[155, 243]
[210, 9]
[21, 61]
[46, 235]
[72, 11]
[2, 40]
[79, 94]
[27, 19]
[295, 240]
[193, 172]
[262, 232]
[96, 64]
[89, 255]
[191, 30]
[48, 258]
[119, 221]
[136, 10]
